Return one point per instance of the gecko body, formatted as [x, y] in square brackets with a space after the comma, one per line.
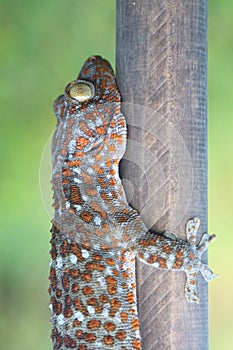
[96, 235]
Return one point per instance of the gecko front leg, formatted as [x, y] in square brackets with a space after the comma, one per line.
[168, 252]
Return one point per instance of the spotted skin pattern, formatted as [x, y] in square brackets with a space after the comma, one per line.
[96, 235]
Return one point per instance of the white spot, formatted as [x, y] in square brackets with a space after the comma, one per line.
[98, 121]
[84, 198]
[101, 281]
[59, 262]
[108, 270]
[97, 220]
[51, 307]
[85, 253]
[77, 170]
[90, 171]
[134, 3]
[73, 258]
[72, 146]
[117, 317]
[105, 312]
[137, 333]
[61, 319]
[79, 315]
[77, 181]
[90, 309]
[67, 205]
[78, 207]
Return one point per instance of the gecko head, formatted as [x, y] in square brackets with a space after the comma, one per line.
[95, 84]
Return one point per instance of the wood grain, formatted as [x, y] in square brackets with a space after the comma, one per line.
[161, 62]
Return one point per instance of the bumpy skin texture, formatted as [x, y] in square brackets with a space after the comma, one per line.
[96, 235]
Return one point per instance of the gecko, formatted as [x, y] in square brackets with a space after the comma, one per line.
[96, 235]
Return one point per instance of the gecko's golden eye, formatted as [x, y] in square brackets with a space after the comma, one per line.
[81, 91]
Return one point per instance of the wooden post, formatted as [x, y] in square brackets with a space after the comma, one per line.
[161, 63]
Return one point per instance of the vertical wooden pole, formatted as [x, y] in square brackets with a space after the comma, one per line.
[161, 63]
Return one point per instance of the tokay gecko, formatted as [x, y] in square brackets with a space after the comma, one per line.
[96, 235]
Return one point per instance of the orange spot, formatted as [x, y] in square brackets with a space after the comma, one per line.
[179, 254]
[87, 178]
[130, 298]
[86, 216]
[76, 323]
[58, 293]
[124, 316]
[90, 337]
[75, 288]
[84, 127]
[82, 347]
[112, 172]
[109, 326]
[103, 298]
[152, 259]
[112, 182]
[166, 249]
[108, 162]
[91, 192]
[116, 273]
[86, 71]
[177, 264]
[100, 130]
[82, 142]
[137, 344]
[116, 304]
[76, 251]
[93, 324]
[121, 122]
[79, 154]
[74, 273]
[111, 148]
[86, 276]
[121, 335]
[108, 340]
[87, 290]
[162, 263]
[110, 261]
[67, 172]
[135, 324]
[98, 157]
[76, 195]
[112, 289]
[111, 280]
[68, 313]
[73, 163]
[97, 257]
[92, 301]
[94, 266]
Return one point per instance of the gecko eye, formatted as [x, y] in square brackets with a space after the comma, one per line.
[82, 91]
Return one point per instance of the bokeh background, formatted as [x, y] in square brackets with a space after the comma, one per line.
[43, 44]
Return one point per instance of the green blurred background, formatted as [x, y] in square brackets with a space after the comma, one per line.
[43, 45]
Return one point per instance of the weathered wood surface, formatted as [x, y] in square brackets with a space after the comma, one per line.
[161, 63]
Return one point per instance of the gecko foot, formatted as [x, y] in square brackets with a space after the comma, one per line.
[196, 264]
